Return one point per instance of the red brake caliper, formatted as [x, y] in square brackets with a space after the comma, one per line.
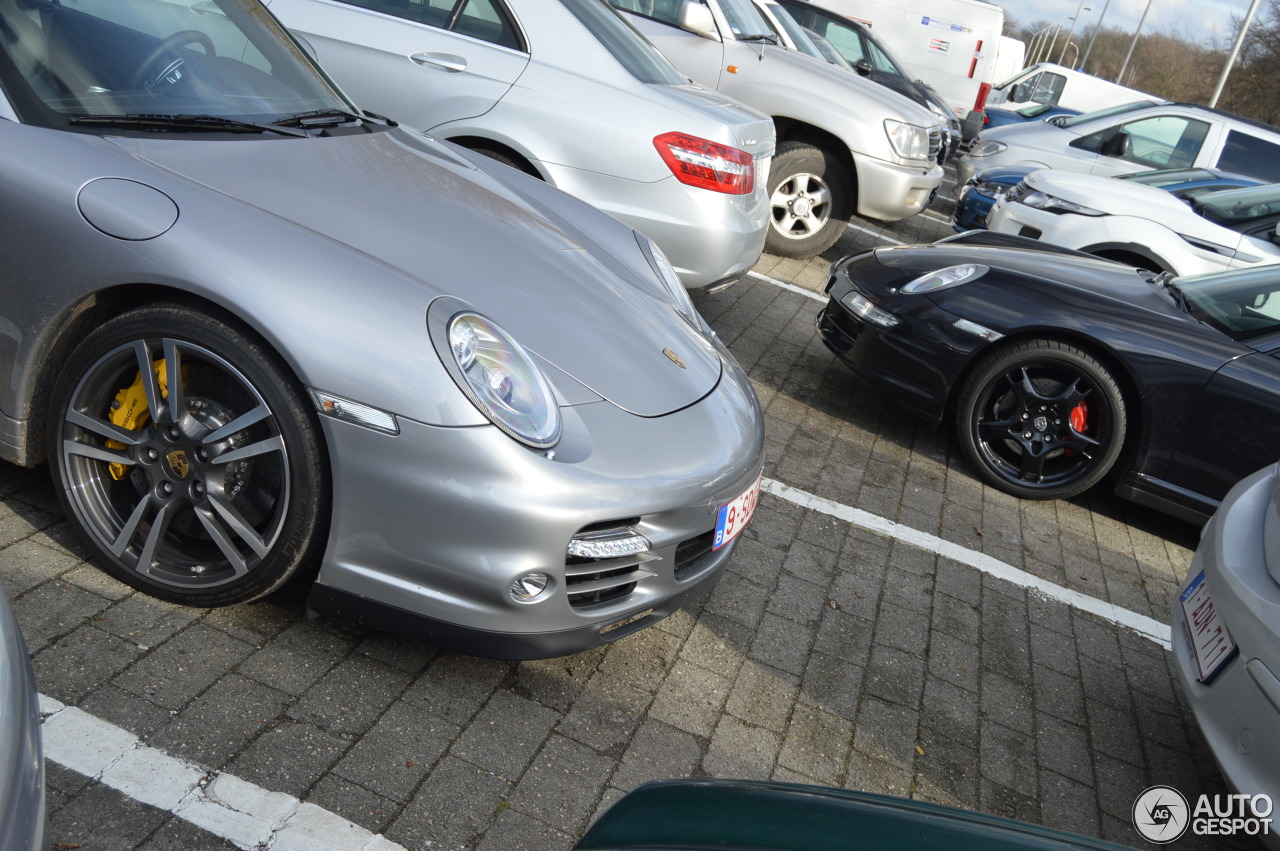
[1079, 419]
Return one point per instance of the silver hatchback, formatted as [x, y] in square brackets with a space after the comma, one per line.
[567, 91]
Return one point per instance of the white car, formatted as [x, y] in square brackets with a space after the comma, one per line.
[1142, 225]
[566, 91]
[1132, 137]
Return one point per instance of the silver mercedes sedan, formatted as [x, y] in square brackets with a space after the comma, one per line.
[257, 333]
[568, 91]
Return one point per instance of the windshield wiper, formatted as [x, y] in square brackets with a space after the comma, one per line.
[1164, 281]
[206, 123]
[318, 118]
[758, 39]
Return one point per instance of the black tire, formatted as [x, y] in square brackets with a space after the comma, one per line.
[518, 165]
[1041, 419]
[1128, 258]
[810, 201]
[221, 492]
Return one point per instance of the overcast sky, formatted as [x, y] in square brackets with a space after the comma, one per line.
[1197, 20]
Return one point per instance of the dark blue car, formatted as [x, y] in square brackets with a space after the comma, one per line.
[979, 194]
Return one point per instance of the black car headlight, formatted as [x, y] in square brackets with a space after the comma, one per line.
[496, 373]
[951, 276]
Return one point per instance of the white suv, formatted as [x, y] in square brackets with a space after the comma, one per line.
[1133, 137]
[1144, 226]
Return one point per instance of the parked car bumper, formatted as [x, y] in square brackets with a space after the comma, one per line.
[1239, 709]
[500, 511]
[889, 192]
[709, 237]
[22, 785]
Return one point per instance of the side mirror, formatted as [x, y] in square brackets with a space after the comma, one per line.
[1022, 92]
[1115, 145]
[696, 18]
[864, 67]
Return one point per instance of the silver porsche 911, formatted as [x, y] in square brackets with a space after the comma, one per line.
[256, 332]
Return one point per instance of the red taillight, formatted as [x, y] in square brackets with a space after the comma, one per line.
[700, 162]
[980, 102]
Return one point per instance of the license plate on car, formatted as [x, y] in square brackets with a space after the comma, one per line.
[735, 514]
[1211, 642]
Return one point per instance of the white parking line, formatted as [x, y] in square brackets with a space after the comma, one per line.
[852, 226]
[243, 813]
[792, 287]
[1148, 628]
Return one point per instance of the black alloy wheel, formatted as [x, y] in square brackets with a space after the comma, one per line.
[1041, 419]
[184, 453]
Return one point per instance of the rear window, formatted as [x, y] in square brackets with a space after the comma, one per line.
[633, 51]
[1245, 154]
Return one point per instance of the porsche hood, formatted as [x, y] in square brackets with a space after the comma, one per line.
[516, 253]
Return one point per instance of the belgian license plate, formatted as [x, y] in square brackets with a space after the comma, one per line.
[1211, 642]
[734, 514]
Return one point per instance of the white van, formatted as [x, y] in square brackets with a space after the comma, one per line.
[1054, 85]
[1133, 137]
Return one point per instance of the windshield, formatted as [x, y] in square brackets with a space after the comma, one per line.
[1241, 206]
[1072, 121]
[632, 50]
[744, 18]
[228, 59]
[1242, 304]
[794, 32]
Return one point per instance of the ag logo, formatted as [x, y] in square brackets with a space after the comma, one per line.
[1161, 814]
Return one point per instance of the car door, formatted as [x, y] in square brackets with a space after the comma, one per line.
[1150, 142]
[701, 59]
[1234, 427]
[421, 62]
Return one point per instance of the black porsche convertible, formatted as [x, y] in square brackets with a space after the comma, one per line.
[1060, 368]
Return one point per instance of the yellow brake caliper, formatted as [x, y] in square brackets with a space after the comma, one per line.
[129, 410]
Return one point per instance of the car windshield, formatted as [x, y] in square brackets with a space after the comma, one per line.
[632, 50]
[744, 19]
[1243, 303]
[215, 61]
[1241, 206]
[1073, 120]
[794, 32]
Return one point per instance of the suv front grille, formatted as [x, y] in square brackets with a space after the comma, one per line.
[935, 146]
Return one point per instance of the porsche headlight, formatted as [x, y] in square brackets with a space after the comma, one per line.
[987, 149]
[1041, 201]
[670, 280]
[909, 140]
[503, 381]
[951, 276]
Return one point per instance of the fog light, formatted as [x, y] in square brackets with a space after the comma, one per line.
[529, 586]
[608, 545]
[863, 307]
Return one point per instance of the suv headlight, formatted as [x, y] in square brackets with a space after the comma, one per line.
[987, 149]
[501, 379]
[1041, 201]
[670, 280]
[910, 141]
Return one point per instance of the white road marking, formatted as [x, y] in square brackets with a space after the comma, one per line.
[791, 287]
[1148, 628]
[236, 810]
[852, 226]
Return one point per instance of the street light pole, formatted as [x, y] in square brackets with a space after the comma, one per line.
[1134, 43]
[1235, 51]
[1048, 53]
[1075, 19]
[1097, 29]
